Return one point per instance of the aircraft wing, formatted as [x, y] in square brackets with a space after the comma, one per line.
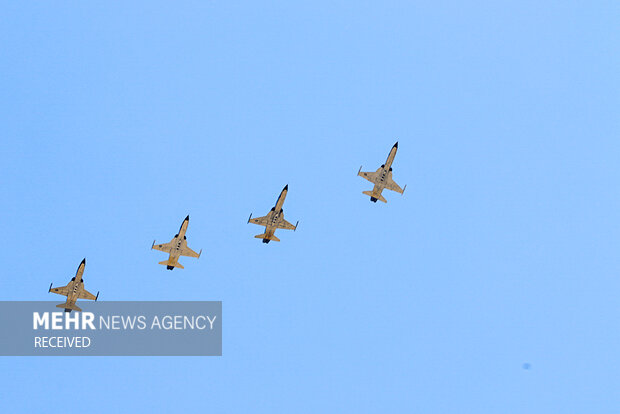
[61, 290]
[283, 224]
[370, 176]
[85, 294]
[261, 221]
[186, 251]
[391, 185]
[166, 247]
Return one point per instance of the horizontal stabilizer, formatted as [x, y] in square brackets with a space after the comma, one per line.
[168, 263]
[68, 307]
[266, 236]
[375, 196]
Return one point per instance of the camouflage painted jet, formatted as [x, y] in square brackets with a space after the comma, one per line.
[176, 248]
[382, 178]
[274, 220]
[74, 291]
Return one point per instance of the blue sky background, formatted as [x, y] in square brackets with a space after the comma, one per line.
[120, 119]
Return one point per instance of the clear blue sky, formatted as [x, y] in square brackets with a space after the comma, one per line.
[118, 120]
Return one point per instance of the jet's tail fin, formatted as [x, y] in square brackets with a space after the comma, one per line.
[68, 307]
[171, 264]
[266, 236]
[375, 197]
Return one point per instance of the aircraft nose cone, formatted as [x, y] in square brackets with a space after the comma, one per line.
[286, 187]
[187, 218]
[396, 145]
[84, 261]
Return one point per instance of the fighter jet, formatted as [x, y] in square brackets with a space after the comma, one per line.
[74, 291]
[382, 178]
[274, 220]
[176, 248]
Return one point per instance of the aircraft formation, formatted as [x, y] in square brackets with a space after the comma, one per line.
[177, 247]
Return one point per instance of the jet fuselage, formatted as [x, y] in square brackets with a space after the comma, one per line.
[381, 180]
[275, 214]
[180, 243]
[76, 285]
